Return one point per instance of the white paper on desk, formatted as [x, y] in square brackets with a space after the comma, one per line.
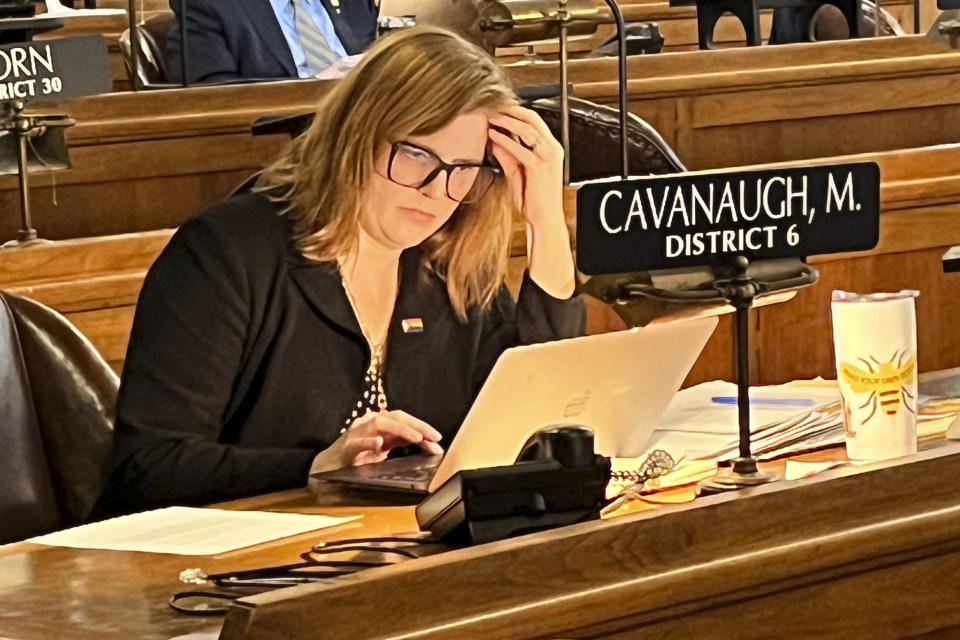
[797, 469]
[339, 68]
[55, 8]
[685, 444]
[695, 427]
[692, 410]
[188, 531]
[802, 432]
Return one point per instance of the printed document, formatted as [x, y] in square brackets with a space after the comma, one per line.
[188, 531]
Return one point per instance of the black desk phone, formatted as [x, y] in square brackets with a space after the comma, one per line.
[557, 480]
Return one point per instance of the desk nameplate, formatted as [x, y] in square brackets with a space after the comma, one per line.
[54, 69]
[710, 218]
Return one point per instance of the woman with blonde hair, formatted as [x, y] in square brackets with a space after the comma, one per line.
[354, 303]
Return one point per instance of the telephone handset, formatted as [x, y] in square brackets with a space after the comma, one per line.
[557, 480]
[571, 446]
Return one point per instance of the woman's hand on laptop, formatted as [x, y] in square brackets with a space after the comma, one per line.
[371, 437]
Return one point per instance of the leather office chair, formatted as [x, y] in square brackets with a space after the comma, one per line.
[153, 39]
[594, 140]
[56, 416]
[828, 23]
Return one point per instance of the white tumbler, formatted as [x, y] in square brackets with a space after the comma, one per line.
[875, 343]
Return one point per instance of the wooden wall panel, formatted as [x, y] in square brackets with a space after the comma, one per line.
[143, 205]
[792, 139]
[108, 330]
[795, 338]
[130, 180]
[716, 360]
[94, 282]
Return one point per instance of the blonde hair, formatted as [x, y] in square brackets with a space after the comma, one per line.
[413, 82]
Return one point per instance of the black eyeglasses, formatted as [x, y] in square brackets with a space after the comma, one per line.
[416, 167]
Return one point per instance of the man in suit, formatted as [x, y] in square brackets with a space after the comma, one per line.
[253, 39]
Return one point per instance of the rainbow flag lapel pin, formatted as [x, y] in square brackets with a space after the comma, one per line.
[412, 325]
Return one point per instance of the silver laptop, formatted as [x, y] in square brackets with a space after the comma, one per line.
[617, 384]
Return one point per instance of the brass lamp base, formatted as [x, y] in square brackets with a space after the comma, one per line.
[743, 473]
[25, 238]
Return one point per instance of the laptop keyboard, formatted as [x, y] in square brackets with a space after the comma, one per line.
[418, 474]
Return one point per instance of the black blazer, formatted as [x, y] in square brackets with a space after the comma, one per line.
[791, 24]
[245, 359]
[233, 39]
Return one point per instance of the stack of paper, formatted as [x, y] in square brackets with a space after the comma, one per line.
[806, 431]
[702, 422]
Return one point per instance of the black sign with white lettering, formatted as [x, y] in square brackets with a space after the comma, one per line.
[54, 69]
[710, 218]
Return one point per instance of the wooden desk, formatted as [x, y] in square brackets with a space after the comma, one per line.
[853, 552]
[678, 26]
[147, 160]
[50, 592]
[768, 104]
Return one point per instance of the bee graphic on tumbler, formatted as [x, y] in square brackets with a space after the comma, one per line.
[886, 382]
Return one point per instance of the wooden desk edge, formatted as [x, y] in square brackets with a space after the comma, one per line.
[608, 568]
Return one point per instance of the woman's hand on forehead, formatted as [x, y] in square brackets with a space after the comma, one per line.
[532, 162]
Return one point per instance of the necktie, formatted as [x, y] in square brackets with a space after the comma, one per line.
[315, 47]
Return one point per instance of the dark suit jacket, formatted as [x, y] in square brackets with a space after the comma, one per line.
[233, 39]
[791, 24]
[246, 359]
